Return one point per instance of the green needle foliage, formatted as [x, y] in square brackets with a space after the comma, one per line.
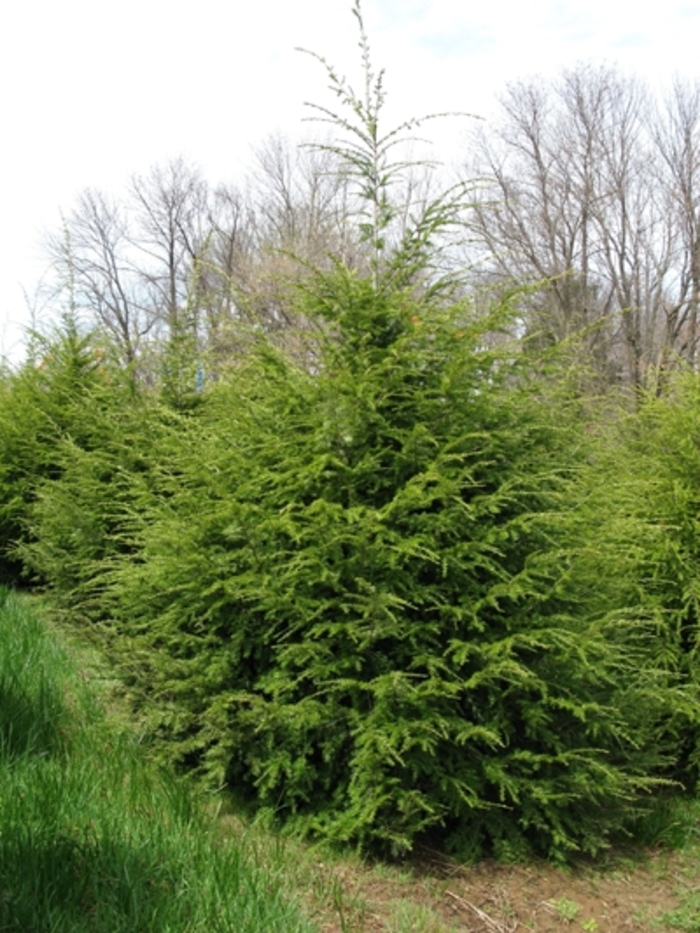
[362, 587]
[66, 399]
[78, 441]
[649, 470]
[358, 604]
[357, 598]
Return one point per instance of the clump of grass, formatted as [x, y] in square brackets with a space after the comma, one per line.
[93, 837]
[671, 821]
[33, 713]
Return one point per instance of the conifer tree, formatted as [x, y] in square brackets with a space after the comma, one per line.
[356, 596]
[44, 402]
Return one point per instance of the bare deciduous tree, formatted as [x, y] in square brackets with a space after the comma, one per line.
[175, 258]
[169, 210]
[96, 262]
[576, 200]
[677, 137]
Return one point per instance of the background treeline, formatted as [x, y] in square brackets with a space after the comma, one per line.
[359, 535]
[586, 184]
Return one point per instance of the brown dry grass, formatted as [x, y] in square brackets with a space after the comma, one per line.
[434, 895]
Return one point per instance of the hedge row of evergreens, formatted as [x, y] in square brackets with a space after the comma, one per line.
[394, 579]
[420, 587]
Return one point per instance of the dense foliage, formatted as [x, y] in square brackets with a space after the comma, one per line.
[363, 587]
[363, 593]
[390, 581]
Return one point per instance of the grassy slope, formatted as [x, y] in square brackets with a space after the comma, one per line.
[92, 837]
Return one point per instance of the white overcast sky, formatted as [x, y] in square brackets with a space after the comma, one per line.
[92, 92]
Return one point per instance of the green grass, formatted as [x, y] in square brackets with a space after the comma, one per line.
[92, 836]
[683, 835]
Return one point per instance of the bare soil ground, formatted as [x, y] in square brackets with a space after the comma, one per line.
[436, 896]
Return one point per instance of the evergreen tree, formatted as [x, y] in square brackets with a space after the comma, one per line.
[357, 596]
